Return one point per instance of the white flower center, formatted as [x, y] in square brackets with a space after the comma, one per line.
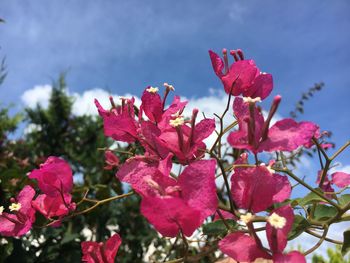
[249, 99]
[152, 89]
[1, 210]
[15, 207]
[177, 122]
[246, 218]
[276, 221]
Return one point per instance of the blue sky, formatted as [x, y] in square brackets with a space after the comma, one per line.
[123, 46]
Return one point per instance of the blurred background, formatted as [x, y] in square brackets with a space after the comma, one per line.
[121, 47]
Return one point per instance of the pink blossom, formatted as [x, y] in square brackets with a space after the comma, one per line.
[291, 257]
[20, 220]
[242, 247]
[119, 122]
[173, 204]
[254, 133]
[54, 207]
[277, 237]
[186, 142]
[341, 179]
[152, 104]
[54, 177]
[111, 160]
[242, 77]
[256, 189]
[94, 252]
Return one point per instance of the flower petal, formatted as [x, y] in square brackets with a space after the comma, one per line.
[241, 247]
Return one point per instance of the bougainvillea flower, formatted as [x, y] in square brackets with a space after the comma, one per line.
[111, 160]
[341, 179]
[278, 225]
[94, 252]
[256, 188]
[54, 207]
[54, 177]
[242, 247]
[255, 134]
[291, 257]
[19, 221]
[119, 122]
[173, 205]
[152, 104]
[186, 142]
[242, 77]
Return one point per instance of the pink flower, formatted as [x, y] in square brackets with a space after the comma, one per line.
[256, 189]
[242, 77]
[54, 177]
[340, 179]
[242, 247]
[94, 252]
[254, 133]
[19, 221]
[111, 160]
[152, 104]
[119, 122]
[54, 207]
[186, 142]
[55, 180]
[173, 205]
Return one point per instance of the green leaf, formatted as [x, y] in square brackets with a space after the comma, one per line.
[311, 198]
[344, 199]
[299, 225]
[218, 227]
[346, 242]
[324, 212]
[69, 238]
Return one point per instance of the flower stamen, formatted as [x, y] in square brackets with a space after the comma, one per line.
[276, 221]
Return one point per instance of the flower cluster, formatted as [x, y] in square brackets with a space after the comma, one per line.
[55, 182]
[177, 204]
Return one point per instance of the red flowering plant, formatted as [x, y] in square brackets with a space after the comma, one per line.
[251, 217]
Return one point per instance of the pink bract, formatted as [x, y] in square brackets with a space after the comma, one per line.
[254, 133]
[172, 205]
[119, 123]
[277, 238]
[256, 189]
[291, 257]
[19, 222]
[111, 160]
[241, 247]
[242, 78]
[341, 179]
[152, 105]
[54, 176]
[54, 207]
[94, 252]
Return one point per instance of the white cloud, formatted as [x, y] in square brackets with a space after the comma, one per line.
[339, 167]
[38, 95]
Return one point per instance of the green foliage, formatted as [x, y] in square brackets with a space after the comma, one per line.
[311, 198]
[218, 227]
[299, 225]
[334, 256]
[346, 242]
